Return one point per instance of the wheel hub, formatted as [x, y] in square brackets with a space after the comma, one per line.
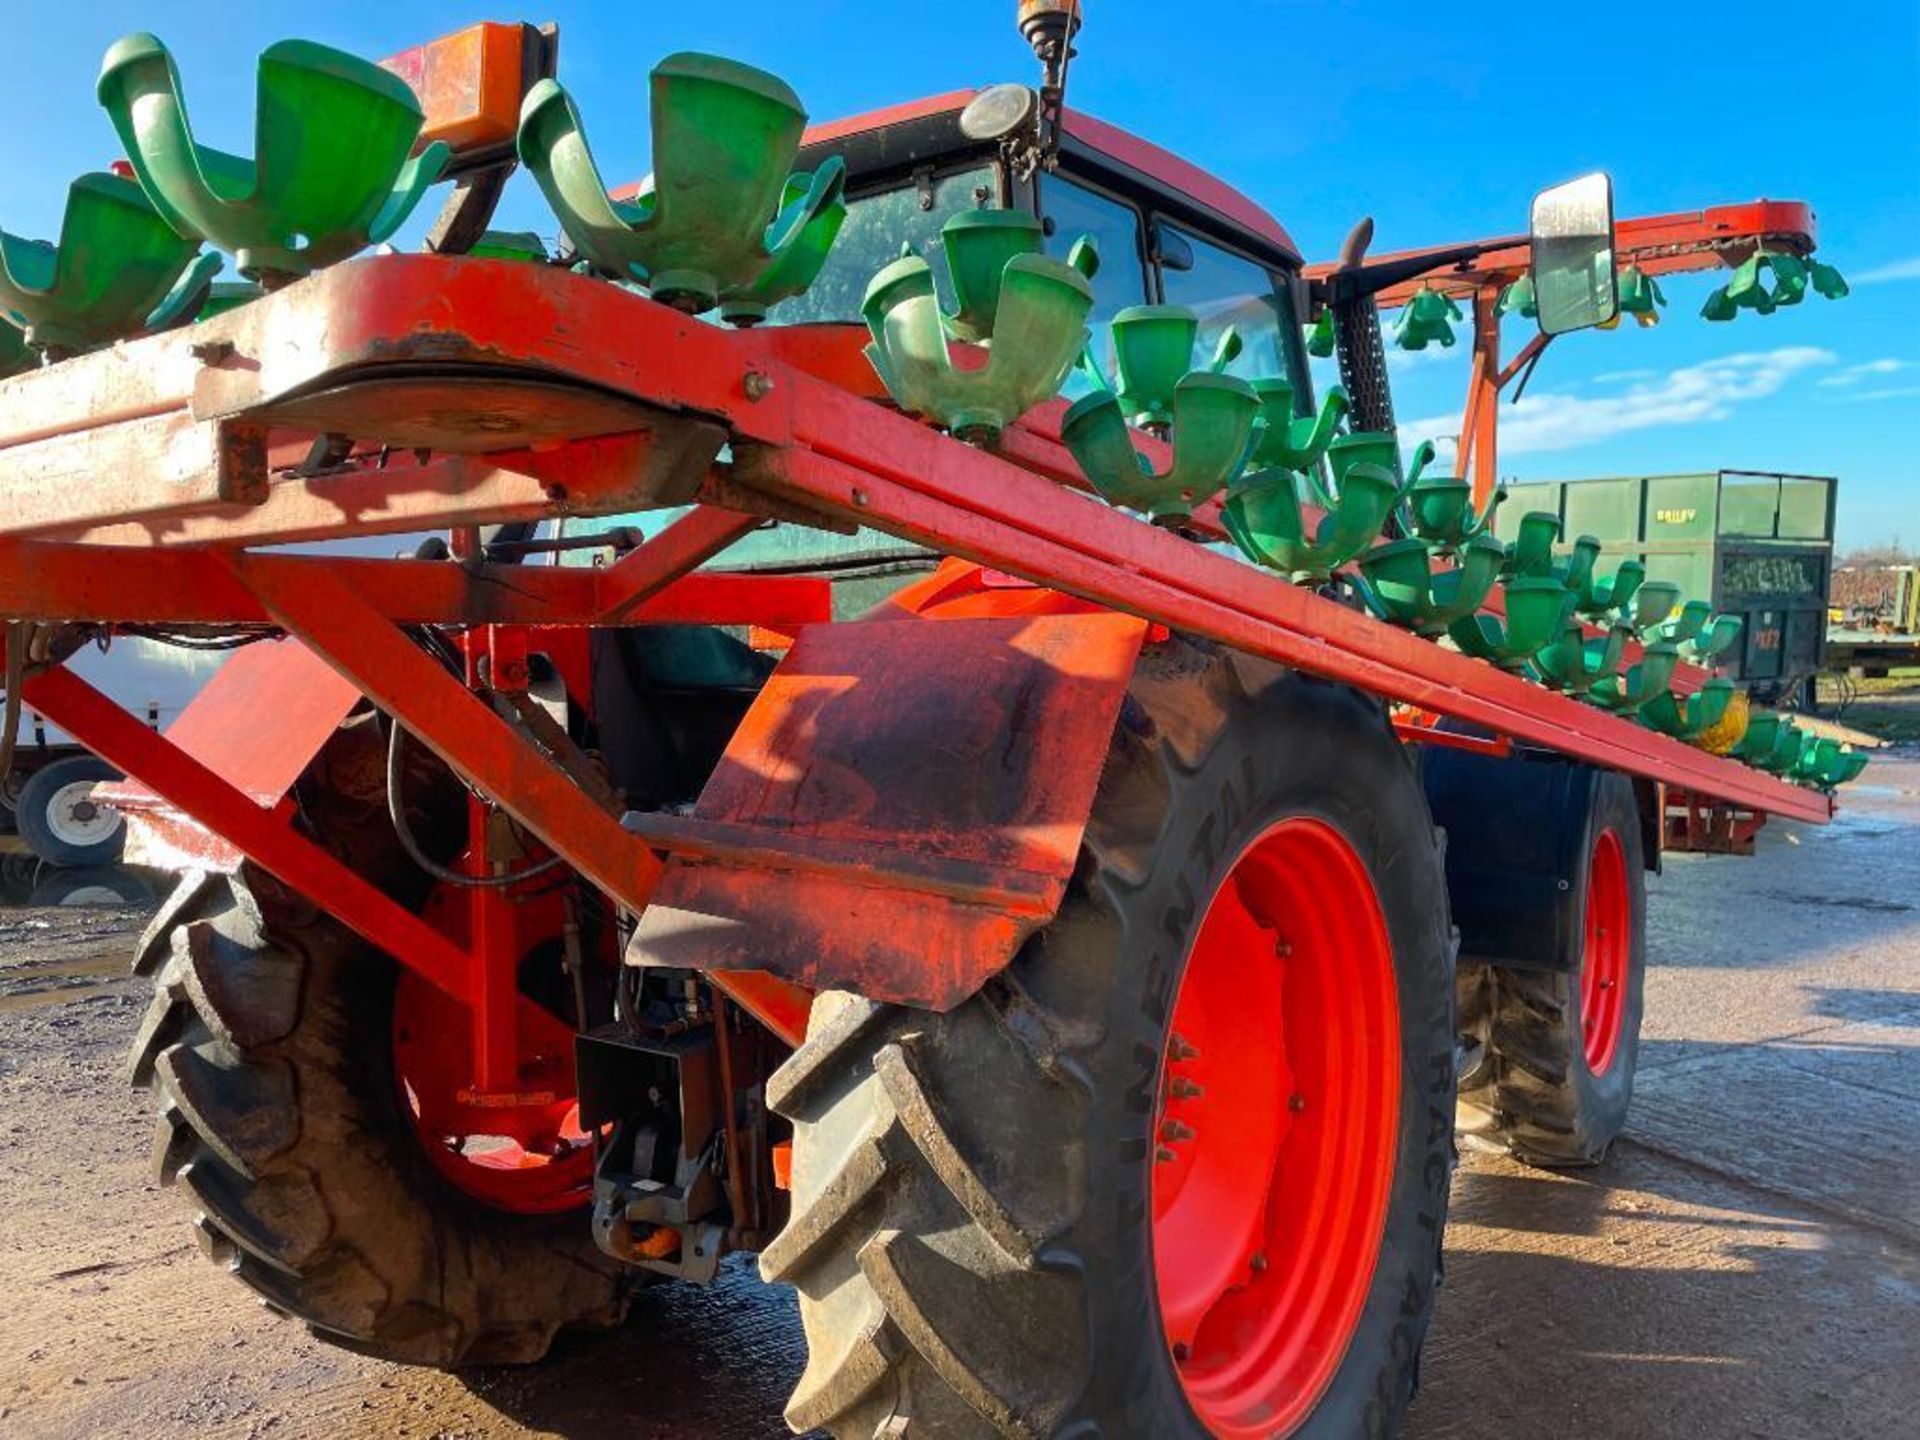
[1277, 1129]
[1606, 954]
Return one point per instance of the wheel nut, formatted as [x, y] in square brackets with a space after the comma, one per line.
[1179, 1049]
[1163, 1155]
[1185, 1089]
[1173, 1131]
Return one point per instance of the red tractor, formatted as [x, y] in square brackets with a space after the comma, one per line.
[763, 822]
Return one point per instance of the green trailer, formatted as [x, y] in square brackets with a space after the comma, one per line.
[1757, 545]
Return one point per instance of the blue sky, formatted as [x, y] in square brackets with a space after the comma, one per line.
[1441, 127]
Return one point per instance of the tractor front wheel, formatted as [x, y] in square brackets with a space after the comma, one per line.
[1182, 1170]
[1558, 1046]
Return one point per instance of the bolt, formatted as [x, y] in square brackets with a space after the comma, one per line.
[860, 499]
[1163, 1155]
[1180, 1351]
[1258, 1264]
[1173, 1131]
[1179, 1049]
[1297, 1102]
[212, 352]
[1283, 949]
[757, 385]
[1185, 1089]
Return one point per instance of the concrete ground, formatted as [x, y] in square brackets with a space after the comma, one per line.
[1746, 1265]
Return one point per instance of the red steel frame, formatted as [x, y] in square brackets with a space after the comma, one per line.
[1722, 235]
[605, 386]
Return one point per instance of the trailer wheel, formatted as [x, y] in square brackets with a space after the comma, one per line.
[61, 821]
[268, 1050]
[1182, 1169]
[1560, 1047]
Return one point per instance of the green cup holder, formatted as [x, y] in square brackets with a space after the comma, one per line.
[1399, 583]
[1262, 515]
[1713, 642]
[1212, 419]
[1537, 610]
[1576, 661]
[1625, 694]
[723, 220]
[1439, 507]
[118, 269]
[1530, 555]
[1653, 605]
[1607, 600]
[1826, 764]
[1034, 334]
[1686, 625]
[1153, 353]
[1427, 319]
[1287, 441]
[333, 170]
[1688, 719]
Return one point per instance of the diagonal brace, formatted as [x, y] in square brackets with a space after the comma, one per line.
[484, 749]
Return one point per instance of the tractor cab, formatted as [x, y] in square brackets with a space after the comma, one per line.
[1166, 232]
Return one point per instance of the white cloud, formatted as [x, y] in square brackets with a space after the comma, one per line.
[1898, 270]
[1895, 392]
[1693, 394]
[1854, 374]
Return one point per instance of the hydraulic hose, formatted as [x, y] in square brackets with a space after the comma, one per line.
[397, 813]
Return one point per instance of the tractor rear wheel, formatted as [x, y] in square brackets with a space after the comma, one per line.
[1182, 1169]
[1557, 1048]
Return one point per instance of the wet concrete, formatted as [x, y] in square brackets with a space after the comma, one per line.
[1747, 1264]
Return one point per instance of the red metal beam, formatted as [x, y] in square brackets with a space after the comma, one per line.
[687, 543]
[264, 836]
[1659, 244]
[56, 581]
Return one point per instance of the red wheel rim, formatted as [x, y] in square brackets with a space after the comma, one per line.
[529, 1157]
[1280, 1114]
[1604, 958]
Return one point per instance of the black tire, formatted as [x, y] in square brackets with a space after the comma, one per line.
[1532, 1093]
[103, 887]
[50, 790]
[969, 1233]
[268, 1050]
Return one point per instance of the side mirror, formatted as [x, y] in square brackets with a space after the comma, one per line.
[1575, 283]
[1171, 249]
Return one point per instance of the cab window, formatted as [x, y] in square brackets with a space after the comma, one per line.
[1070, 210]
[870, 240]
[1228, 289]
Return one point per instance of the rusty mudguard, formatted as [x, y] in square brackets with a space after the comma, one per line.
[901, 807]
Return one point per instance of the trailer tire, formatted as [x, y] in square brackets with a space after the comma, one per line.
[60, 821]
[269, 1051]
[975, 1221]
[1560, 1046]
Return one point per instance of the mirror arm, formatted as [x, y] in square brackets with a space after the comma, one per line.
[1353, 282]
